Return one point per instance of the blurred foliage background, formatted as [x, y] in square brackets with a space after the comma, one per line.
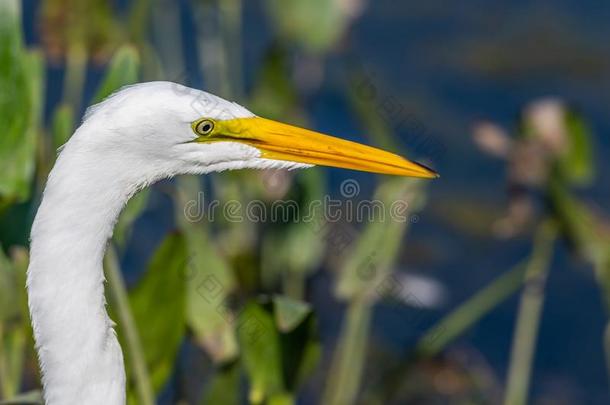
[497, 288]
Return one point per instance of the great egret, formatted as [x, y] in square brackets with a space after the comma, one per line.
[139, 135]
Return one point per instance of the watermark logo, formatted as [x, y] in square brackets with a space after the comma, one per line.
[331, 210]
[350, 188]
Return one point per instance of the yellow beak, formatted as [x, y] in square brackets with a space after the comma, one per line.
[280, 141]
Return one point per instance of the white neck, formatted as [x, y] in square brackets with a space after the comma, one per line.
[80, 356]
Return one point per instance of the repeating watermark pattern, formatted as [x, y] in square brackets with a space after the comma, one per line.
[338, 237]
[389, 108]
[210, 289]
[397, 115]
[329, 209]
[393, 291]
[333, 219]
[205, 104]
[390, 288]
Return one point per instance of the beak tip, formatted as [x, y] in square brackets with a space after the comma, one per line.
[428, 172]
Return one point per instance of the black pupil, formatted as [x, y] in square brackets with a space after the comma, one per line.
[206, 127]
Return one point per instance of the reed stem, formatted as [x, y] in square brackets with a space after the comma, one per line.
[130, 331]
[528, 318]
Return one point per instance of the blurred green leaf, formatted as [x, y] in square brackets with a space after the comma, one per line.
[577, 223]
[261, 353]
[209, 281]
[311, 353]
[123, 70]
[158, 305]
[209, 285]
[301, 352]
[20, 101]
[289, 313]
[225, 387]
[577, 164]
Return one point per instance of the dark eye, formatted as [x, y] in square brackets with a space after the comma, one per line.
[204, 127]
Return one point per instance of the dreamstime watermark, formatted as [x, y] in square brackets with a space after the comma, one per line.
[329, 209]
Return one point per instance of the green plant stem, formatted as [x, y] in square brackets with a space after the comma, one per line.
[347, 366]
[214, 69]
[230, 12]
[294, 284]
[470, 312]
[452, 326]
[601, 268]
[11, 361]
[139, 18]
[528, 317]
[15, 332]
[4, 378]
[74, 81]
[132, 338]
[23, 337]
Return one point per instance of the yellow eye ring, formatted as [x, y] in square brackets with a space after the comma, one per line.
[204, 127]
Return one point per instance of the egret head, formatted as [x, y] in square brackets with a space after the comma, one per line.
[172, 129]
